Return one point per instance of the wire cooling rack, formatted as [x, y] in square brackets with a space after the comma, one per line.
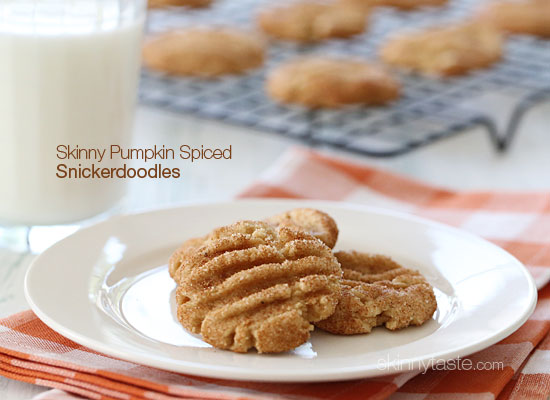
[430, 109]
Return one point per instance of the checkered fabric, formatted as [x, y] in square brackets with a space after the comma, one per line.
[519, 222]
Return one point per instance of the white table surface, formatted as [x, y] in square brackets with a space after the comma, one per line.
[466, 161]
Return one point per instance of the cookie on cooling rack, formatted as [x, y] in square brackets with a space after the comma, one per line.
[530, 17]
[377, 291]
[409, 4]
[178, 3]
[400, 4]
[255, 285]
[204, 52]
[311, 21]
[331, 82]
[445, 51]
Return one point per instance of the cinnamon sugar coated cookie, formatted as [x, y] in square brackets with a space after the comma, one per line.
[176, 259]
[315, 222]
[530, 17]
[377, 291]
[400, 4]
[331, 82]
[204, 52]
[254, 285]
[409, 4]
[178, 3]
[313, 21]
[445, 51]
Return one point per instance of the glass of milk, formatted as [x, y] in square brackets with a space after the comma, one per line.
[68, 76]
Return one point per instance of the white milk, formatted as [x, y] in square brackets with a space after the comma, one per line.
[71, 82]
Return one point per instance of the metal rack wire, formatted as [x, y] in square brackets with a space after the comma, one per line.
[429, 110]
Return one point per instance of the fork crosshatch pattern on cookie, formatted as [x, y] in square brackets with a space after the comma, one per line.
[377, 291]
[253, 284]
[428, 109]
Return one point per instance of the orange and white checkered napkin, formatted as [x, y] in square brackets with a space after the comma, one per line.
[519, 222]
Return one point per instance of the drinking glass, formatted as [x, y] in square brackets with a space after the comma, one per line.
[69, 72]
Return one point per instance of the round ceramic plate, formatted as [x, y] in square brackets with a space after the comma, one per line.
[107, 287]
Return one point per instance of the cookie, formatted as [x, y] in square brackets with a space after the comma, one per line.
[204, 52]
[409, 4]
[377, 291]
[253, 285]
[176, 259]
[178, 3]
[313, 21]
[400, 4]
[315, 222]
[331, 82]
[530, 17]
[445, 51]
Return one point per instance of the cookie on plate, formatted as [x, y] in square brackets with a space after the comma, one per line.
[204, 52]
[331, 82]
[311, 21]
[254, 285]
[529, 17]
[315, 222]
[377, 291]
[445, 51]
[178, 3]
[176, 259]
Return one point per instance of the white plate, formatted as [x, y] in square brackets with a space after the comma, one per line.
[107, 287]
